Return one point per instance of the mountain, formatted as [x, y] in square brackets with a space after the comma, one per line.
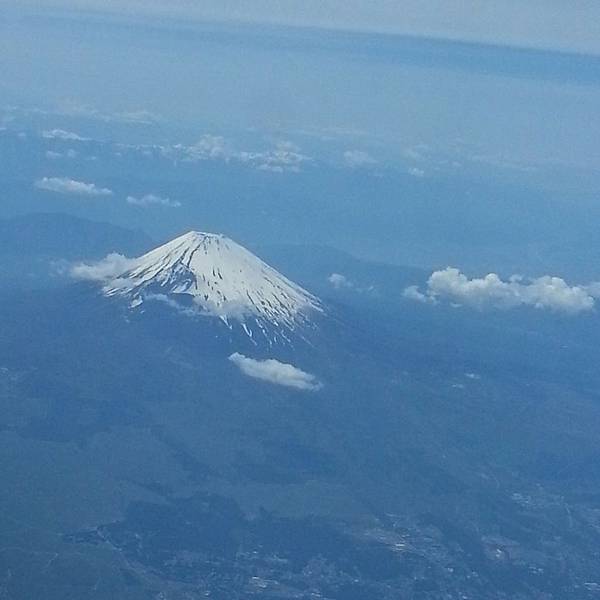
[64, 236]
[214, 276]
[34, 247]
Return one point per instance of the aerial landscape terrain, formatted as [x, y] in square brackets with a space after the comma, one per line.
[298, 304]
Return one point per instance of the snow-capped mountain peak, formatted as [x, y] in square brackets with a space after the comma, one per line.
[222, 279]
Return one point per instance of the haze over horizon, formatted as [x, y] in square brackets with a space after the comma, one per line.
[541, 24]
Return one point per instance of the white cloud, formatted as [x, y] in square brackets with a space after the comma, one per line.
[153, 200]
[164, 299]
[106, 270]
[358, 158]
[339, 281]
[61, 134]
[276, 372]
[412, 293]
[50, 154]
[416, 172]
[473, 376]
[546, 292]
[64, 185]
[284, 157]
[207, 147]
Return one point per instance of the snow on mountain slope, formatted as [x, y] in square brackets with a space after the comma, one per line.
[222, 279]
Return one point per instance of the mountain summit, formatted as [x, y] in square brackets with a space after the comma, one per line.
[216, 276]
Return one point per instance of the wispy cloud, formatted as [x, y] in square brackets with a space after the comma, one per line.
[64, 185]
[276, 372]
[61, 134]
[284, 157]
[171, 303]
[135, 116]
[416, 172]
[139, 116]
[52, 155]
[547, 292]
[341, 282]
[206, 148]
[358, 158]
[153, 200]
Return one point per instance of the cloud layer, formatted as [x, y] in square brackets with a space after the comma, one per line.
[276, 372]
[284, 157]
[64, 185]
[551, 293]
